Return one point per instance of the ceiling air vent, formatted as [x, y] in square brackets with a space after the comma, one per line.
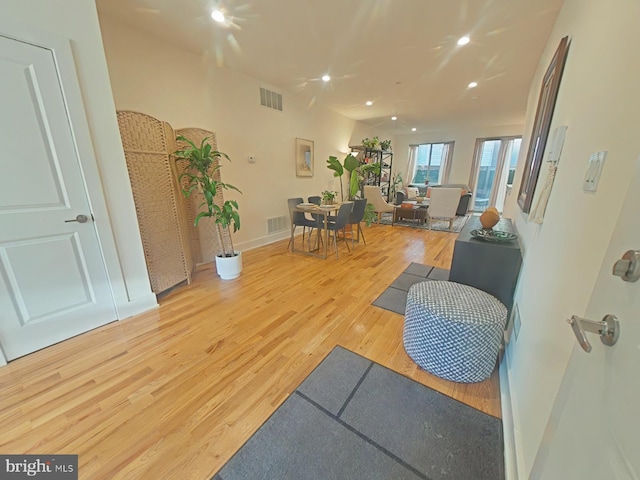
[270, 99]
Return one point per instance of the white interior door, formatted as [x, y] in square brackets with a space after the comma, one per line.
[594, 430]
[53, 282]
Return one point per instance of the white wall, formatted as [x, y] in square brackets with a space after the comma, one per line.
[78, 21]
[465, 143]
[599, 101]
[186, 90]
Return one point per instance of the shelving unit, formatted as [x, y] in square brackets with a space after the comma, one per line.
[385, 159]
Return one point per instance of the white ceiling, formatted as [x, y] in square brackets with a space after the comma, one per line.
[401, 54]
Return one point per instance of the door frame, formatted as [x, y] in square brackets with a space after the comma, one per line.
[74, 104]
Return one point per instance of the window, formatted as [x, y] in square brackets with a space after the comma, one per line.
[493, 169]
[432, 160]
[513, 162]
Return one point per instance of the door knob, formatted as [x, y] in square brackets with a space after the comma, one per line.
[608, 329]
[628, 267]
[79, 219]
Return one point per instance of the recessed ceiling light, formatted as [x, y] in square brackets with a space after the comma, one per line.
[463, 40]
[394, 118]
[218, 16]
[326, 78]
[369, 103]
[473, 85]
[414, 129]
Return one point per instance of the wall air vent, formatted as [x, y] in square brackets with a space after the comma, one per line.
[277, 224]
[270, 99]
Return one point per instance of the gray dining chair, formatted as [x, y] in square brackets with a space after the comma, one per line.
[356, 216]
[317, 199]
[339, 224]
[298, 219]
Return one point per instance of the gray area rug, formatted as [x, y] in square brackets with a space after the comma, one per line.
[394, 298]
[354, 419]
[438, 225]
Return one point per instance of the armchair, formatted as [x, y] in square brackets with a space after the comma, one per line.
[374, 196]
[443, 204]
[465, 197]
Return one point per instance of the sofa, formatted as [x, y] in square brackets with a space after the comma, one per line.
[465, 198]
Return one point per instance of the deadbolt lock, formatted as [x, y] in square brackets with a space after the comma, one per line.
[628, 267]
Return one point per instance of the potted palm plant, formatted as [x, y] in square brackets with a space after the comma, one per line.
[200, 171]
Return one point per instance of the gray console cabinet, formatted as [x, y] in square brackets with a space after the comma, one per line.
[487, 266]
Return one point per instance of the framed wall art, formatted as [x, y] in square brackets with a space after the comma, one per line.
[304, 157]
[541, 125]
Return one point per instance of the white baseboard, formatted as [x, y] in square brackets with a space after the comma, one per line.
[508, 424]
[262, 241]
[137, 306]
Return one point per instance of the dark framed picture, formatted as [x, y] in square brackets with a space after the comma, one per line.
[541, 125]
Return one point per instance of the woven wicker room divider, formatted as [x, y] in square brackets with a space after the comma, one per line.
[147, 144]
[204, 239]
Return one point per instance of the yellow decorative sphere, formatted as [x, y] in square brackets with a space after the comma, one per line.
[489, 217]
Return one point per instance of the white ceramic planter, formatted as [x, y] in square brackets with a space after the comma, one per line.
[229, 267]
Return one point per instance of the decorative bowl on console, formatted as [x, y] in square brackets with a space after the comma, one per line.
[490, 235]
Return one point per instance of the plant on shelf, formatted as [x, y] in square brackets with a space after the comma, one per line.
[200, 171]
[359, 172]
[385, 145]
[363, 172]
[328, 197]
[371, 144]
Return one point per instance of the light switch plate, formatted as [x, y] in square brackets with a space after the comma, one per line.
[594, 170]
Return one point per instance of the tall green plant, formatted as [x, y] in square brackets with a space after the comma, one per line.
[334, 164]
[396, 183]
[350, 164]
[200, 172]
[358, 173]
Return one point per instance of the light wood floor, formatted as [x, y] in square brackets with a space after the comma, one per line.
[175, 392]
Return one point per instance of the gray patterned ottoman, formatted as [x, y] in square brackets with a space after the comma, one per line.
[453, 331]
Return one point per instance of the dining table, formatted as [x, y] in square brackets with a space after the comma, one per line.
[323, 210]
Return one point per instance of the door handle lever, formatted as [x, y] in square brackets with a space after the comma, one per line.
[608, 329]
[79, 219]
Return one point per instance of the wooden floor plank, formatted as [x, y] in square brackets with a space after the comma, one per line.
[174, 392]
